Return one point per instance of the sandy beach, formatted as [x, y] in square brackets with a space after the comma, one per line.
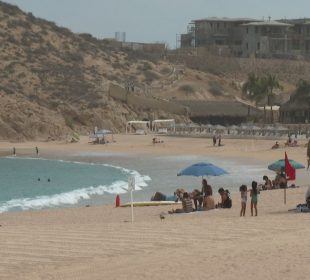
[100, 242]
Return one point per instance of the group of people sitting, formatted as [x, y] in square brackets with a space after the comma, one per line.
[289, 143]
[279, 182]
[197, 200]
[156, 140]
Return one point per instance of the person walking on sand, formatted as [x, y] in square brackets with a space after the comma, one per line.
[14, 152]
[244, 198]
[220, 140]
[308, 154]
[214, 140]
[37, 151]
[253, 195]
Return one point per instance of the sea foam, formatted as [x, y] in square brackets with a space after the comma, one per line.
[75, 196]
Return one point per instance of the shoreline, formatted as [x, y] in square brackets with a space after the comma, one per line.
[136, 152]
[99, 241]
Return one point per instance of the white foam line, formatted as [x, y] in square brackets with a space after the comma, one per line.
[73, 197]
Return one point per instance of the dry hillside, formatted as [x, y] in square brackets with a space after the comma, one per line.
[54, 82]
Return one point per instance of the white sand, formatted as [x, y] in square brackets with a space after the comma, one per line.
[101, 243]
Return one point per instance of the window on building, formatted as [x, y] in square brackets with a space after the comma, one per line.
[218, 25]
[247, 30]
[256, 29]
[211, 24]
[247, 46]
[308, 29]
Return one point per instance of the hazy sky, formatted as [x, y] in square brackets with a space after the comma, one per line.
[153, 20]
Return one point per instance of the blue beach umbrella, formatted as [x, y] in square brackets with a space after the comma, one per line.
[202, 169]
[279, 165]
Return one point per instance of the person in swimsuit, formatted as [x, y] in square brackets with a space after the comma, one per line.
[253, 195]
[244, 198]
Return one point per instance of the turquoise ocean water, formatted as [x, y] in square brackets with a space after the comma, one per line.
[96, 178]
[27, 183]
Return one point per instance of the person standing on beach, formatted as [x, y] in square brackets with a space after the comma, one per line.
[253, 195]
[37, 151]
[214, 140]
[220, 140]
[14, 152]
[308, 154]
[244, 198]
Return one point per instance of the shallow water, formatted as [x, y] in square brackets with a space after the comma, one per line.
[28, 183]
[96, 178]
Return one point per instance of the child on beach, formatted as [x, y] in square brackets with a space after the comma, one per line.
[244, 198]
[253, 195]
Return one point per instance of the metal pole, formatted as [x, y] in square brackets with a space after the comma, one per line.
[131, 197]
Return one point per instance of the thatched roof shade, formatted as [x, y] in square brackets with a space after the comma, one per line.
[294, 106]
[219, 108]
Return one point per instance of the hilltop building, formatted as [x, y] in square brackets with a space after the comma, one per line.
[245, 37]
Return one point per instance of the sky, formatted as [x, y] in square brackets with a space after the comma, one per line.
[153, 20]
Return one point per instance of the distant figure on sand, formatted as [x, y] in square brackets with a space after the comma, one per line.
[244, 198]
[37, 151]
[308, 154]
[14, 152]
[253, 195]
[220, 140]
[214, 140]
[276, 145]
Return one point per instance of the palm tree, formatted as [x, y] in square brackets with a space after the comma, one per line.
[302, 91]
[270, 83]
[252, 88]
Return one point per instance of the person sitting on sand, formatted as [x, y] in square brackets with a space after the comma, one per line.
[226, 201]
[177, 196]
[159, 196]
[200, 196]
[268, 184]
[157, 140]
[283, 181]
[208, 203]
[276, 181]
[187, 205]
[197, 197]
[276, 145]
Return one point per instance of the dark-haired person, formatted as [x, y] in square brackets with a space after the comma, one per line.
[268, 184]
[244, 198]
[226, 201]
[253, 195]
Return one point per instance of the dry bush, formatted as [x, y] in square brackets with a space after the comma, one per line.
[187, 88]
[165, 70]
[151, 75]
[216, 88]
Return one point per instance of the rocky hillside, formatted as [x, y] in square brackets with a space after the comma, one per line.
[54, 82]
